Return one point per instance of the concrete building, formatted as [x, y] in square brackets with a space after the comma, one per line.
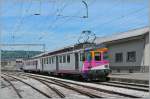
[8, 64]
[11, 64]
[128, 51]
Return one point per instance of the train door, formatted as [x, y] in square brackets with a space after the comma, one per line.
[42, 60]
[76, 61]
[57, 64]
[36, 63]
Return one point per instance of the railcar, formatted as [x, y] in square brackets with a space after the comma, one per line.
[31, 65]
[96, 64]
[88, 64]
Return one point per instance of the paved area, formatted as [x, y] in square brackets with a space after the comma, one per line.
[131, 77]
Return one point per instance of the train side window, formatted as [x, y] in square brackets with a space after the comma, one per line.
[52, 60]
[42, 61]
[68, 58]
[64, 59]
[97, 56]
[60, 59]
[47, 60]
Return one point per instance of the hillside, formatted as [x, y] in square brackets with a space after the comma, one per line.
[18, 54]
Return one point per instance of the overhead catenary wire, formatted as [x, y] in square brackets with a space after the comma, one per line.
[39, 26]
[40, 7]
[133, 24]
[17, 24]
[71, 17]
[120, 17]
[20, 22]
[115, 5]
[58, 11]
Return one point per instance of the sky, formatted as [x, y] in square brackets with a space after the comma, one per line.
[59, 23]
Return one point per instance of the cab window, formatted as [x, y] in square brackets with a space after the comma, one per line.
[97, 56]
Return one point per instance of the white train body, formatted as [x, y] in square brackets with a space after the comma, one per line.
[68, 62]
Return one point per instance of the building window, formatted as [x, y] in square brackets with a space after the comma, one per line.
[64, 59]
[119, 57]
[131, 56]
[60, 59]
[68, 58]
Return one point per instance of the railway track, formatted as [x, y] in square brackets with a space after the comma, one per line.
[45, 81]
[14, 88]
[132, 84]
[124, 85]
[60, 94]
[86, 93]
[65, 83]
[38, 90]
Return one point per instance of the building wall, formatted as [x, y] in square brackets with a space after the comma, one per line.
[8, 65]
[147, 51]
[134, 45]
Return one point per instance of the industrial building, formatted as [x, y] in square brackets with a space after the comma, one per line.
[128, 51]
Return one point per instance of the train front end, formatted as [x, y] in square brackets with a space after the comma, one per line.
[96, 65]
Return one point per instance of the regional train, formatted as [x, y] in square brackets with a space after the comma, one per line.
[89, 64]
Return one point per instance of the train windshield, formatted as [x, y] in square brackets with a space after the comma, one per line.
[97, 56]
[106, 56]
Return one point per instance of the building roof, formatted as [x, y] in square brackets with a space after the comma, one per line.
[123, 35]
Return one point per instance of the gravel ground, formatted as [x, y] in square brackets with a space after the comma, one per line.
[69, 93]
[123, 90]
[97, 92]
[27, 92]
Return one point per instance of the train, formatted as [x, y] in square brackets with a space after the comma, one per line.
[88, 64]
